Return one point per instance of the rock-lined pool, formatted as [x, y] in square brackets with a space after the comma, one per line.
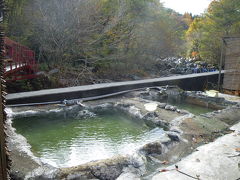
[68, 141]
[192, 108]
[66, 136]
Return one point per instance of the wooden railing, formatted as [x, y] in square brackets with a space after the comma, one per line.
[19, 61]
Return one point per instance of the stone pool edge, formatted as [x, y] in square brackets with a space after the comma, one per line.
[100, 169]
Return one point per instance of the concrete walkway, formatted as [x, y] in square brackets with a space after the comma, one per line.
[189, 82]
[219, 160]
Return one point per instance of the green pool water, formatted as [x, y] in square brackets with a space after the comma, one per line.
[194, 109]
[68, 141]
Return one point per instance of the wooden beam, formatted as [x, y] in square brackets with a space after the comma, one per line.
[4, 159]
[220, 66]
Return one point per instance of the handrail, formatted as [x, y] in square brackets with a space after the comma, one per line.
[21, 57]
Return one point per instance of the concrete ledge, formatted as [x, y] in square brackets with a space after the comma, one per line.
[218, 160]
[186, 82]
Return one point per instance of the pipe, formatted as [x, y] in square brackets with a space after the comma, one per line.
[90, 98]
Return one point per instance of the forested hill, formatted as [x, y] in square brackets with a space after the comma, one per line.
[116, 39]
[204, 36]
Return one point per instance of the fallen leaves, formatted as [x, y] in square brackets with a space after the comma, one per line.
[164, 170]
[237, 149]
[164, 162]
[177, 170]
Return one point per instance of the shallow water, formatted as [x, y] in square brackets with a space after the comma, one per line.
[192, 108]
[68, 141]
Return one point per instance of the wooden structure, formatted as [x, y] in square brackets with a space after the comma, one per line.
[19, 61]
[231, 82]
[4, 154]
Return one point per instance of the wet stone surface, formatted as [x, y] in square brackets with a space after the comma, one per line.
[182, 133]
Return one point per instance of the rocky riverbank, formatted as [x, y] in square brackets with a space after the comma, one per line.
[174, 65]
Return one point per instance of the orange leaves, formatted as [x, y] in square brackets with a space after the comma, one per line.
[164, 170]
[237, 149]
[194, 54]
[164, 162]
